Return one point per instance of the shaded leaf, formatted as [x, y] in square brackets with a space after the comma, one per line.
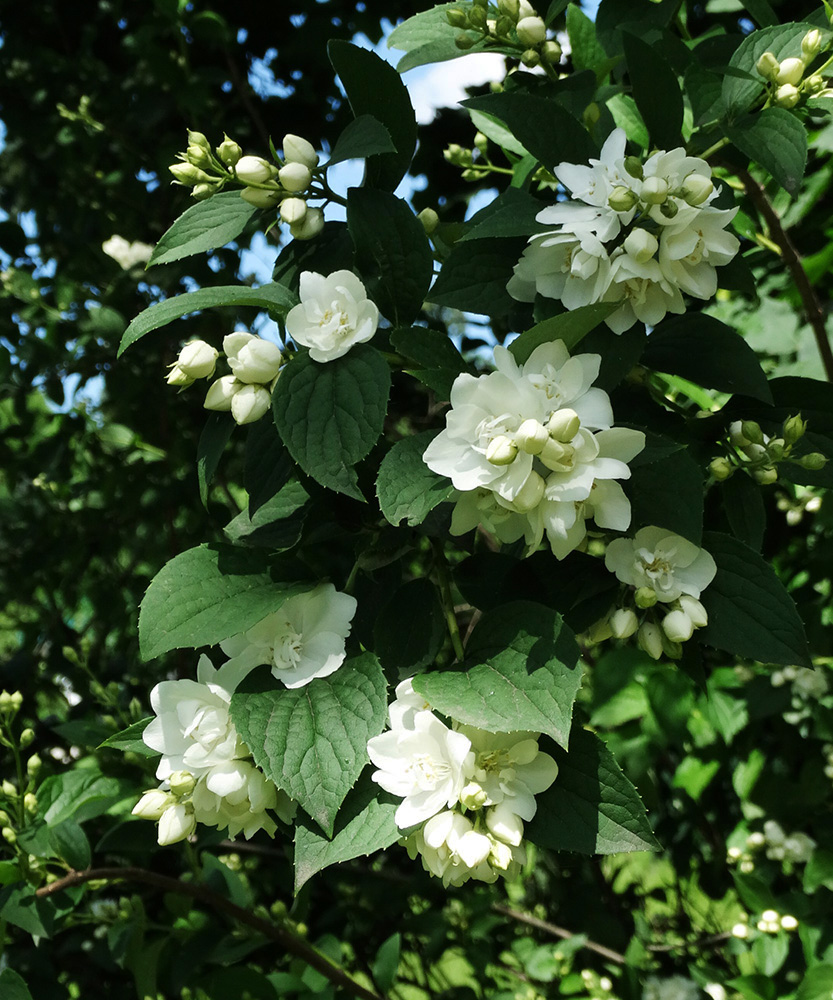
[406, 487]
[207, 225]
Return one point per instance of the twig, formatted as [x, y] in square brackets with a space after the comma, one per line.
[707, 942]
[812, 306]
[447, 601]
[559, 932]
[293, 944]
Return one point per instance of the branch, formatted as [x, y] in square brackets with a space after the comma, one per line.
[706, 942]
[293, 944]
[812, 306]
[559, 932]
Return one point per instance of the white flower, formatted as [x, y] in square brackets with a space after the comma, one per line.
[176, 823]
[403, 709]
[303, 640]
[422, 765]
[334, 314]
[192, 729]
[661, 561]
[252, 360]
[236, 795]
[221, 393]
[453, 850]
[125, 254]
[250, 403]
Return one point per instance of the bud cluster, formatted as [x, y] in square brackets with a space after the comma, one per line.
[247, 392]
[284, 184]
[758, 454]
[790, 849]
[514, 23]
[660, 628]
[171, 807]
[787, 81]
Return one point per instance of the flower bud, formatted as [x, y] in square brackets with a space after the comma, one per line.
[695, 610]
[293, 210]
[176, 823]
[766, 475]
[813, 84]
[788, 922]
[152, 804]
[641, 245]
[530, 495]
[673, 650]
[252, 360]
[600, 630]
[736, 435]
[721, 469]
[564, 424]
[9, 789]
[201, 192]
[505, 824]
[500, 856]
[591, 114]
[33, 765]
[649, 638]
[531, 437]
[295, 177]
[787, 96]
[509, 8]
[477, 18]
[27, 737]
[501, 27]
[473, 796]
[198, 140]
[633, 167]
[768, 66]
[623, 623]
[775, 448]
[182, 783]
[622, 199]
[197, 359]
[556, 456]
[177, 377]
[299, 150]
[5, 701]
[813, 462]
[221, 392]
[551, 51]
[811, 45]
[260, 197]
[645, 597]
[464, 41]
[481, 142]
[456, 18]
[30, 803]
[229, 151]
[530, 58]
[501, 450]
[187, 174]
[678, 626]
[696, 189]
[531, 31]
[8, 835]
[752, 431]
[250, 403]
[669, 209]
[790, 72]
[198, 156]
[429, 219]
[4, 818]
[310, 226]
[253, 170]
[654, 190]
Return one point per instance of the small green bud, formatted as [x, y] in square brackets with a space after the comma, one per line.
[4, 818]
[8, 835]
[775, 449]
[633, 166]
[17, 700]
[33, 765]
[794, 428]
[503, 27]
[721, 469]
[456, 18]
[751, 430]
[531, 58]
[301, 930]
[600, 631]
[766, 475]
[622, 199]
[654, 190]
[229, 151]
[481, 142]
[787, 96]
[811, 45]
[481, 3]
[814, 461]
[198, 156]
[477, 18]
[509, 8]
[429, 219]
[182, 783]
[551, 52]
[501, 450]
[9, 789]
[278, 911]
[767, 65]
[696, 189]
[813, 84]
[198, 140]
[591, 114]
[201, 192]
[27, 737]
[30, 803]
[463, 41]
[645, 597]
[187, 174]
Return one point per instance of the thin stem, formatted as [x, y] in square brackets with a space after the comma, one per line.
[706, 942]
[293, 944]
[444, 578]
[559, 932]
[714, 149]
[812, 306]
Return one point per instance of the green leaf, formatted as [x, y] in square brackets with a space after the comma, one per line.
[69, 842]
[587, 53]
[81, 794]
[386, 963]
[409, 643]
[365, 824]
[668, 493]
[745, 509]
[330, 415]
[817, 984]
[21, 907]
[655, 90]
[512, 213]
[207, 594]
[312, 741]
[626, 115]
[475, 275]
[542, 126]
[393, 256]
[705, 91]
[207, 225]
[273, 524]
[269, 465]
[706, 351]
[571, 327]
[497, 132]
[364, 136]
[275, 298]
[428, 38]
[406, 487]
[12, 987]
[130, 740]
[331, 250]
[434, 353]
[373, 87]
[213, 440]
[750, 612]
[615, 17]
[522, 674]
[591, 807]
[776, 140]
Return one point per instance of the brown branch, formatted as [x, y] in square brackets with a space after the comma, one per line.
[559, 932]
[812, 306]
[700, 943]
[293, 944]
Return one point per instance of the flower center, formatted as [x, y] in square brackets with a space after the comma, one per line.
[288, 649]
[426, 771]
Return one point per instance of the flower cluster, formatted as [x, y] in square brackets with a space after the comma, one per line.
[778, 845]
[333, 315]
[532, 450]
[467, 791]
[206, 770]
[638, 234]
[285, 184]
[758, 454]
[664, 575]
[786, 81]
[517, 25]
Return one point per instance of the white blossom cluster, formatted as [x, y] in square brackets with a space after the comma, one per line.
[638, 234]
[778, 845]
[532, 450]
[207, 772]
[468, 792]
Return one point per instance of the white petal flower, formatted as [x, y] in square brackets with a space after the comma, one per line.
[662, 561]
[125, 254]
[252, 359]
[197, 359]
[403, 709]
[236, 795]
[453, 850]
[334, 314]
[221, 393]
[249, 403]
[176, 823]
[303, 640]
[423, 766]
[153, 804]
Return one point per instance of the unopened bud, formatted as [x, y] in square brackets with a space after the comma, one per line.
[623, 623]
[16, 700]
[8, 835]
[811, 45]
[564, 424]
[813, 84]
[152, 804]
[622, 199]
[501, 450]
[201, 192]
[182, 783]
[198, 156]
[33, 765]
[813, 462]
[551, 51]
[695, 610]
[720, 469]
[531, 58]
[654, 190]
[250, 403]
[751, 430]
[9, 789]
[293, 210]
[557, 457]
[477, 18]
[633, 166]
[768, 65]
[187, 174]
[261, 197]
[788, 922]
[254, 170]
[198, 140]
[677, 626]
[30, 803]
[473, 796]
[641, 245]
[787, 96]
[509, 8]
[530, 495]
[645, 597]
[295, 177]
[794, 428]
[591, 114]
[298, 150]
[531, 31]
[27, 737]
[220, 393]
[464, 41]
[531, 437]
[456, 18]
[766, 475]
[600, 631]
[696, 189]
[229, 151]
[775, 449]
[429, 219]
[502, 27]
[669, 209]
[649, 638]
[197, 359]
[481, 142]
[310, 226]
